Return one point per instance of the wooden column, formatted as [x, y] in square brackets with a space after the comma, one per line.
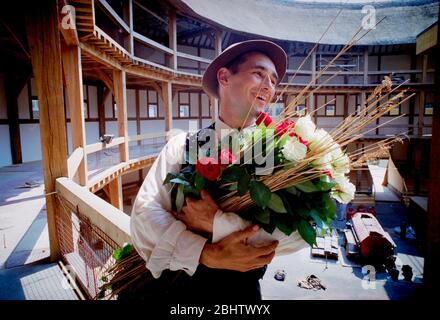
[425, 69]
[167, 98]
[120, 91]
[14, 83]
[103, 93]
[71, 56]
[313, 67]
[138, 115]
[128, 18]
[44, 43]
[115, 193]
[172, 38]
[365, 66]
[420, 123]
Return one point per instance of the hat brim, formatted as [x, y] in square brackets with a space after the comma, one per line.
[272, 50]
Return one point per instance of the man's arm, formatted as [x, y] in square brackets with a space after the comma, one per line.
[161, 240]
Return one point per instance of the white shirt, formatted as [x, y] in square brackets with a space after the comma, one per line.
[162, 241]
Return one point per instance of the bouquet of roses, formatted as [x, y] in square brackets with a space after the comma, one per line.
[311, 164]
[285, 176]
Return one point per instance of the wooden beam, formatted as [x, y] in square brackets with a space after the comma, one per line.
[113, 222]
[71, 57]
[107, 79]
[120, 91]
[115, 193]
[44, 43]
[167, 98]
[172, 36]
[68, 24]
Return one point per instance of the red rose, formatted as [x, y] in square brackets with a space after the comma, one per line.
[304, 142]
[208, 168]
[265, 118]
[328, 173]
[226, 157]
[285, 127]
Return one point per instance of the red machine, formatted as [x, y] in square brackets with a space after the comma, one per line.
[372, 242]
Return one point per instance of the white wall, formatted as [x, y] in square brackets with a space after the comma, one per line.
[30, 141]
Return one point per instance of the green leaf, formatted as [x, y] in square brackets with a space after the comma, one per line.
[306, 186]
[276, 204]
[169, 177]
[286, 226]
[269, 228]
[315, 216]
[325, 186]
[260, 193]
[262, 215]
[232, 173]
[303, 213]
[199, 181]
[123, 252]
[180, 181]
[307, 232]
[329, 206]
[232, 187]
[243, 184]
[293, 191]
[104, 279]
[180, 198]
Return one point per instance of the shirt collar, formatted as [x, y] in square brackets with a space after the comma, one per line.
[220, 125]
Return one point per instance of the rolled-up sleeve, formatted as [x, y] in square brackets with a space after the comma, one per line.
[161, 240]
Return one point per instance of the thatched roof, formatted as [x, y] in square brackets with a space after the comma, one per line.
[305, 21]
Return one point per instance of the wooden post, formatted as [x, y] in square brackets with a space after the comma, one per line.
[103, 93]
[13, 84]
[120, 91]
[425, 69]
[71, 56]
[44, 43]
[365, 66]
[420, 123]
[167, 98]
[128, 18]
[115, 193]
[313, 67]
[172, 36]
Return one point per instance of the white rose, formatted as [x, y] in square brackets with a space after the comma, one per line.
[305, 128]
[341, 164]
[320, 138]
[294, 150]
[344, 190]
[324, 161]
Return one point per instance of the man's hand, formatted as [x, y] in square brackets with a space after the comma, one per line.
[234, 254]
[198, 215]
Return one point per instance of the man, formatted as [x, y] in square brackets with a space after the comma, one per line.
[243, 77]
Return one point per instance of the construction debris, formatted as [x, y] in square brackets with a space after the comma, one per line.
[311, 282]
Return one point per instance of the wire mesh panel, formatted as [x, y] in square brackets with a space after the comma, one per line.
[86, 249]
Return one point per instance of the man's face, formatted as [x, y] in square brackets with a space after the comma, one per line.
[252, 86]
